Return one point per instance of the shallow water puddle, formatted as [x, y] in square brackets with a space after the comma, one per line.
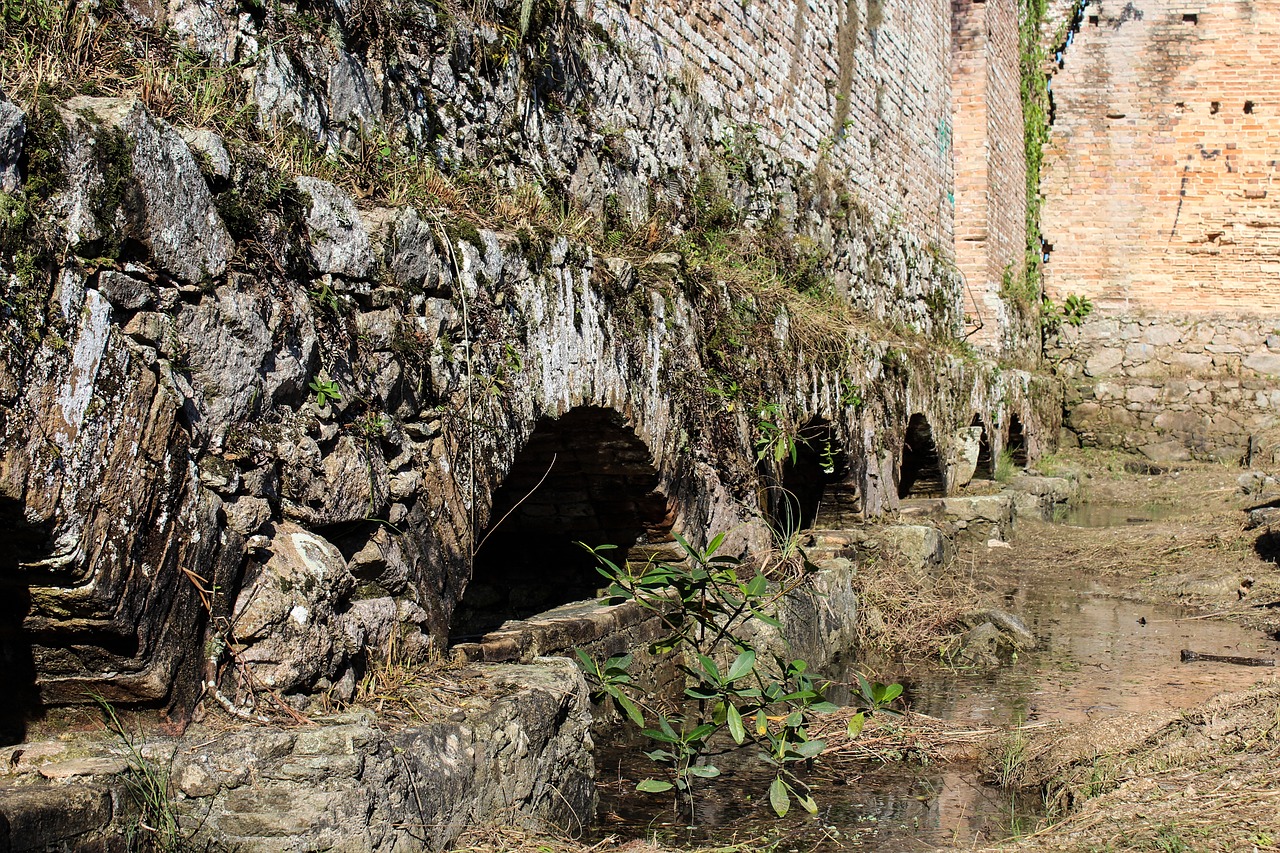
[1099, 656]
[1109, 515]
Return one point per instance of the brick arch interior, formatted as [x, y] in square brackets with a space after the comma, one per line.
[583, 477]
[807, 485]
[985, 469]
[920, 472]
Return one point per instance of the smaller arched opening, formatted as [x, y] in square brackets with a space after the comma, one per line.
[1016, 445]
[985, 469]
[807, 479]
[27, 544]
[920, 468]
[583, 477]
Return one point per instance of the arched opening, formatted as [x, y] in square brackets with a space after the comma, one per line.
[583, 477]
[807, 481]
[920, 470]
[985, 469]
[25, 543]
[1016, 446]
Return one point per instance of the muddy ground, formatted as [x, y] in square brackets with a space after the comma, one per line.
[1203, 779]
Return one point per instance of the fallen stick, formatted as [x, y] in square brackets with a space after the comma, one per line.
[1189, 656]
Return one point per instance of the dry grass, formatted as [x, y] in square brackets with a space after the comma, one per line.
[1206, 780]
[495, 838]
[55, 49]
[910, 737]
[910, 616]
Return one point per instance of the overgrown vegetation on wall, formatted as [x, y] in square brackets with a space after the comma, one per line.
[1024, 286]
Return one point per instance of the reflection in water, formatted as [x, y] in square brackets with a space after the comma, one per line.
[1110, 515]
[1098, 657]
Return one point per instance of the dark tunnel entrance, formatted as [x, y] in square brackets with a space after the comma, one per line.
[583, 477]
[811, 481]
[25, 543]
[985, 469]
[1016, 446]
[920, 471]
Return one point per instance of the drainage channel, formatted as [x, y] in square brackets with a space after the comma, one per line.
[1098, 657]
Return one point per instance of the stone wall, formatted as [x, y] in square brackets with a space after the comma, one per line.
[486, 743]
[309, 529]
[990, 182]
[268, 393]
[1201, 387]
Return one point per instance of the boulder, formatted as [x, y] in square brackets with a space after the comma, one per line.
[286, 613]
[968, 443]
[164, 204]
[339, 243]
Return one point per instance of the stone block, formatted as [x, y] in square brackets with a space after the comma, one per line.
[1264, 362]
[1103, 362]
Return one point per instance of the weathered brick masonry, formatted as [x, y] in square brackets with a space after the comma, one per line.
[990, 181]
[1160, 208]
[867, 85]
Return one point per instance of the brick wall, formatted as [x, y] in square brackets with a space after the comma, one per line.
[1163, 152]
[990, 163]
[866, 82]
[1159, 208]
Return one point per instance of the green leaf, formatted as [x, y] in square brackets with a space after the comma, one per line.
[757, 586]
[887, 693]
[806, 802]
[715, 544]
[856, 722]
[629, 707]
[619, 662]
[705, 771]
[762, 723]
[778, 797]
[704, 693]
[587, 663]
[699, 733]
[742, 665]
[766, 619]
[734, 719]
[661, 737]
[710, 668]
[654, 786]
[810, 748]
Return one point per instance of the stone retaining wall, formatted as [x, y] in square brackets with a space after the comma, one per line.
[1202, 388]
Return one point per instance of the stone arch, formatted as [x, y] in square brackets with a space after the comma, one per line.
[1016, 443]
[985, 469]
[582, 477]
[806, 485]
[920, 471]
